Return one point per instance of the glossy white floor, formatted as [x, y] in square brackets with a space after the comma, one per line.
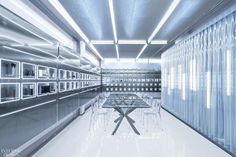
[170, 138]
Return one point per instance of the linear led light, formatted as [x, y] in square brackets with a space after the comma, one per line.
[38, 49]
[167, 14]
[158, 42]
[102, 42]
[183, 87]
[69, 52]
[180, 76]
[131, 60]
[112, 19]
[172, 7]
[117, 52]
[40, 20]
[57, 5]
[228, 73]
[28, 53]
[95, 50]
[144, 47]
[11, 38]
[132, 42]
[208, 90]
[17, 24]
[91, 58]
[154, 61]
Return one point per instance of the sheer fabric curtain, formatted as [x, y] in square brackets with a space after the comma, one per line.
[198, 81]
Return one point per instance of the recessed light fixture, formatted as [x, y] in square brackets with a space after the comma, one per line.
[158, 42]
[57, 5]
[167, 14]
[132, 42]
[102, 42]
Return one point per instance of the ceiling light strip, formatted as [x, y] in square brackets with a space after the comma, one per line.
[131, 41]
[117, 52]
[144, 47]
[101, 42]
[167, 14]
[112, 19]
[57, 5]
[112, 14]
[158, 42]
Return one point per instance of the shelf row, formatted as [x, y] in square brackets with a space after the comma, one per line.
[130, 80]
[11, 69]
[132, 84]
[140, 89]
[15, 91]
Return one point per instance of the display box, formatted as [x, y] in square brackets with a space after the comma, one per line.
[62, 86]
[73, 75]
[9, 92]
[42, 72]
[28, 71]
[52, 73]
[62, 74]
[28, 90]
[45, 88]
[68, 74]
[10, 69]
[68, 86]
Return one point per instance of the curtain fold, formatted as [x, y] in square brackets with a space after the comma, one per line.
[198, 81]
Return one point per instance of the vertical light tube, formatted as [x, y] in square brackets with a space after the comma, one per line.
[172, 77]
[180, 76]
[228, 73]
[169, 83]
[191, 75]
[183, 88]
[194, 85]
[208, 92]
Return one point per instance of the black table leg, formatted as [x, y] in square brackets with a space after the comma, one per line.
[117, 126]
[117, 119]
[129, 119]
[132, 125]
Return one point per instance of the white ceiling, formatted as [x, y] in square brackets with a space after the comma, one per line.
[134, 19]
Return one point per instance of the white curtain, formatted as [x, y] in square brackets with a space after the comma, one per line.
[199, 81]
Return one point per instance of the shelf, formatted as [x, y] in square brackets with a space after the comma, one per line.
[28, 71]
[10, 69]
[28, 90]
[9, 92]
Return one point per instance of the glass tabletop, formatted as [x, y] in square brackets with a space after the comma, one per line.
[124, 101]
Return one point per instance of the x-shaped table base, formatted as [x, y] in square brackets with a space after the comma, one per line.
[125, 115]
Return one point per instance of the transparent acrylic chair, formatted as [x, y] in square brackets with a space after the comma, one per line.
[152, 114]
[98, 113]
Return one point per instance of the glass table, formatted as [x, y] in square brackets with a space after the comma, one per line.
[125, 104]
